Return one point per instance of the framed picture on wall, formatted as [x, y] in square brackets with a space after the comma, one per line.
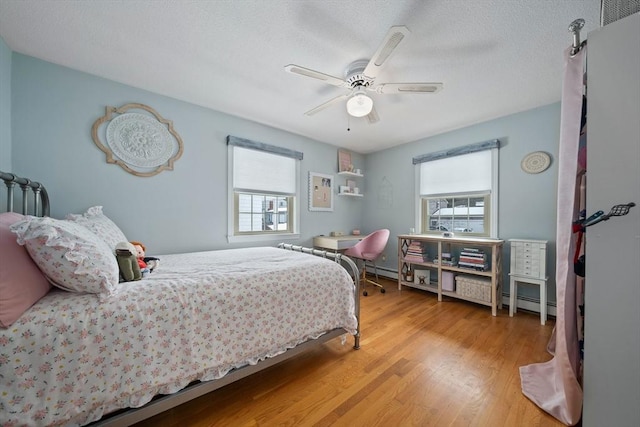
[344, 161]
[320, 192]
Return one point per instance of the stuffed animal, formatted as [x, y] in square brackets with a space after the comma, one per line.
[144, 262]
[127, 262]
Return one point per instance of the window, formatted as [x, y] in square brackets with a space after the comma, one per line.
[460, 213]
[261, 212]
[458, 190]
[263, 191]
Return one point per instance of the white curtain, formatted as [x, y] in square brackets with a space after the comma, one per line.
[554, 385]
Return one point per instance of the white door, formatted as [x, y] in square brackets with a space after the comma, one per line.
[612, 279]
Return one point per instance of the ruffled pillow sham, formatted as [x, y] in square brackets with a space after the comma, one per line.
[69, 254]
[103, 227]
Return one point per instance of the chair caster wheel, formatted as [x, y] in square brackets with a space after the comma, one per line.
[383, 290]
[365, 293]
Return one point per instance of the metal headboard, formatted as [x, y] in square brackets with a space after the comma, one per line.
[40, 196]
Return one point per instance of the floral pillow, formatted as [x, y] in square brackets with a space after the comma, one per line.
[71, 256]
[100, 225]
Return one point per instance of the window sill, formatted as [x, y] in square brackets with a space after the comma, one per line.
[262, 238]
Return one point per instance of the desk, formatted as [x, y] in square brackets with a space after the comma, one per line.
[337, 243]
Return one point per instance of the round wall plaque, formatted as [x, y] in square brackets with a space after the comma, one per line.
[535, 162]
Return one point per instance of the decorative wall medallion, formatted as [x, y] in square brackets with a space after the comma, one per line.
[535, 162]
[143, 144]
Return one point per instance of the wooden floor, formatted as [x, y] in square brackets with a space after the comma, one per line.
[421, 363]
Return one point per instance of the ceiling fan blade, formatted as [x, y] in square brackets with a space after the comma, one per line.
[407, 88]
[326, 104]
[373, 117]
[393, 38]
[296, 69]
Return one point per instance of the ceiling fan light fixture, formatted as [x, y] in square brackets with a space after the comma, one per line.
[359, 105]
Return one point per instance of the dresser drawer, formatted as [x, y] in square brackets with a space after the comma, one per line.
[528, 258]
[521, 263]
[532, 245]
[527, 270]
[537, 254]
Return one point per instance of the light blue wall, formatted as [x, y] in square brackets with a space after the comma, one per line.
[5, 107]
[527, 203]
[176, 211]
[53, 109]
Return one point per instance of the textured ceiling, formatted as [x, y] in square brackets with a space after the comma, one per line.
[495, 57]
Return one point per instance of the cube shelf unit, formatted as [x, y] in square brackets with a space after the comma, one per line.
[436, 246]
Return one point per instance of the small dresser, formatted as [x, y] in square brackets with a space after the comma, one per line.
[528, 266]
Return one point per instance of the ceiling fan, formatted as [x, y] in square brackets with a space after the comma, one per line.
[360, 78]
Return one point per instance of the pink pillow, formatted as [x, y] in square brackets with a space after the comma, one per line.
[22, 283]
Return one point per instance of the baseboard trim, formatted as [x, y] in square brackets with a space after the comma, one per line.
[523, 303]
[530, 304]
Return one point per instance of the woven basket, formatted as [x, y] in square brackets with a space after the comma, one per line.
[473, 287]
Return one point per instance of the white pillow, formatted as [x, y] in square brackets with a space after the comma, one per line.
[71, 256]
[100, 225]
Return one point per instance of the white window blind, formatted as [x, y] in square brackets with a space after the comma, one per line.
[467, 173]
[261, 171]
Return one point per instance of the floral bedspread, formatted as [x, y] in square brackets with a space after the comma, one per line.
[71, 358]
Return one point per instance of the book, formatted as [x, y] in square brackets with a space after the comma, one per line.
[416, 252]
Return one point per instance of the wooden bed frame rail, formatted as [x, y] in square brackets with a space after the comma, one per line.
[40, 196]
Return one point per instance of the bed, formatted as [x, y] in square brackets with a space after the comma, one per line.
[85, 352]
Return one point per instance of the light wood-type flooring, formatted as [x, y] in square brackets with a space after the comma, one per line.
[421, 363]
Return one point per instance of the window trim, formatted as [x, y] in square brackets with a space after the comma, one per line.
[231, 220]
[492, 145]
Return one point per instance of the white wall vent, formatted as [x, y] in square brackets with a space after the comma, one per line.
[612, 10]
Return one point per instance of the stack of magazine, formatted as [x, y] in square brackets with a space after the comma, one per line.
[416, 252]
[473, 258]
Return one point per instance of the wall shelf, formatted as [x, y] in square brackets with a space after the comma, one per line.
[351, 175]
[347, 173]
